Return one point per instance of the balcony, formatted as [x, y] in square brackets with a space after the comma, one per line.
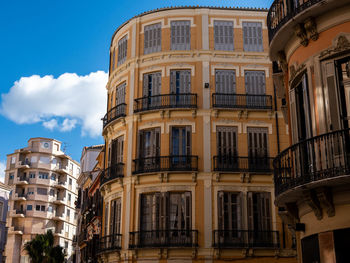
[19, 230]
[22, 180]
[18, 213]
[180, 163]
[82, 237]
[246, 239]
[323, 160]
[113, 172]
[164, 238]
[114, 113]
[19, 197]
[59, 201]
[243, 164]
[23, 164]
[166, 101]
[241, 101]
[110, 242]
[59, 217]
[62, 169]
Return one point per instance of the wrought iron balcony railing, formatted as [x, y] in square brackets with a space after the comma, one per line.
[166, 101]
[226, 163]
[321, 157]
[242, 101]
[246, 239]
[113, 172]
[110, 242]
[114, 113]
[166, 163]
[281, 11]
[163, 238]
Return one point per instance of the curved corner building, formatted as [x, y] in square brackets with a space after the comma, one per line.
[310, 45]
[190, 133]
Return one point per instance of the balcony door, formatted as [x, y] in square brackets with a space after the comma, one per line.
[225, 87]
[149, 149]
[151, 90]
[255, 86]
[259, 218]
[180, 83]
[181, 147]
[226, 138]
[258, 148]
[115, 221]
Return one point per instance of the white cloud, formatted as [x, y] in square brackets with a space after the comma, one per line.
[68, 125]
[78, 99]
[2, 171]
[51, 124]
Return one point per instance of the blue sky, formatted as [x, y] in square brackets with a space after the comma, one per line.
[53, 57]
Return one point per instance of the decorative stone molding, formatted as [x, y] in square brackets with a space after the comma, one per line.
[282, 61]
[326, 199]
[300, 32]
[311, 28]
[311, 199]
[278, 80]
[339, 44]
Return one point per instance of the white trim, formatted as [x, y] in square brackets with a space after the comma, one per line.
[225, 66]
[116, 39]
[255, 67]
[117, 134]
[185, 18]
[120, 81]
[151, 69]
[227, 122]
[178, 122]
[161, 21]
[241, 20]
[180, 66]
[259, 124]
[212, 19]
[152, 124]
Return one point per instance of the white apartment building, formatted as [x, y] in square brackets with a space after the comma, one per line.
[44, 191]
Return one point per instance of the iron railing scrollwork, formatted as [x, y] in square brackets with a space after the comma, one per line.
[281, 11]
[110, 242]
[246, 239]
[317, 158]
[113, 172]
[227, 163]
[166, 101]
[166, 163]
[114, 113]
[164, 238]
[241, 101]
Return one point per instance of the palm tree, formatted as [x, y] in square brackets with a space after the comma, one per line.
[41, 249]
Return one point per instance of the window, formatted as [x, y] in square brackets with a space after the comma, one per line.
[34, 159]
[13, 160]
[180, 35]
[166, 211]
[44, 160]
[180, 81]
[153, 38]
[255, 85]
[71, 167]
[181, 141]
[41, 191]
[52, 192]
[229, 211]
[32, 175]
[259, 211]
[106, 218]
[66, 244]
[226, 143]
[29, 207]
[30, 191]
[37, 207]
[11, 175]
[70, 181]
[42, 208]
[43, 175]
[252, 36]
[57, 147]
[120, 94]
[117, 150]
[149, 143]
[68, 212]
[223, 35]
[69, 197]
[225, 81]
[53, 177]
[67, 228]
[152, 83]
[1, 210]
[257, 142]
[122, 50]
[50, 209]
[115, 217]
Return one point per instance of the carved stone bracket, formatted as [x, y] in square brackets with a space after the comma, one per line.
[300, 32]
[293, 210]
[139, 118]
[216, 113]
[311, 28]
[326, 199]
[242, 177]
[217, 177]
[194, 113]
[282, 61]
[194, 253]
[217, 253]
[164, 177]
[194, 177]
[311, 199]
[165, 253]
[137, 179]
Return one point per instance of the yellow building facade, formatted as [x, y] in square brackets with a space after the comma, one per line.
[190, 133]
[310, 42]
